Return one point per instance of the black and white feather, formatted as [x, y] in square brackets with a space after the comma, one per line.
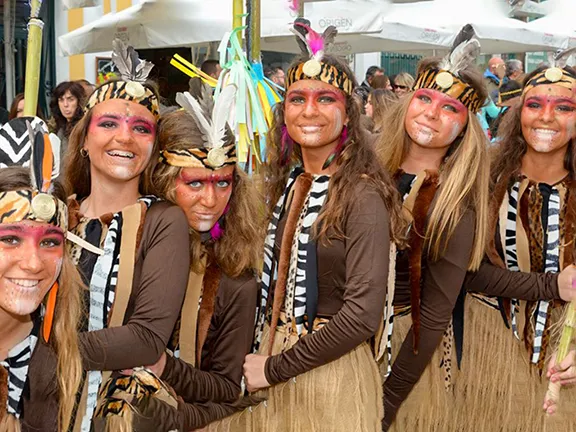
[213, 125]
[465, 50]
[560, 58]
[130, 66]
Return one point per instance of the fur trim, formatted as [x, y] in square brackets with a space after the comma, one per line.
[301, 187]
[211, 284]
[416, 240]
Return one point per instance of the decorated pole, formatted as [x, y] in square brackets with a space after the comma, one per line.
[553, 394]
[237, 13]
[32, 81]
[255, 26]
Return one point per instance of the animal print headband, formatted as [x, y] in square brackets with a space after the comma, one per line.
[555, 74]
[212, 121]
[446, 78]
[314, 44]
[134, 73]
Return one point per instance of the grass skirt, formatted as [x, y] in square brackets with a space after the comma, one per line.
[498, 389]
[342, 396]
[428, 407]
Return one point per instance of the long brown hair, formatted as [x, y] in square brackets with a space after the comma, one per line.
[507, 157]
[357, 163]
[463, 176]
[77, 167]
[237, 251]
[382, 101]
[64, 340]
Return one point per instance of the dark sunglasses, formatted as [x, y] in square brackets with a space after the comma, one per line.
[401, 87]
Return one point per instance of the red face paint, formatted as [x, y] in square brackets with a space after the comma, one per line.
[315, 114]
[31, 256]
[548, 118]
[434, 119]
[203, 195]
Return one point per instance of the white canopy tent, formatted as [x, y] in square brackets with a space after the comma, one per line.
[496, 31]
[167, 23]
[559, 23]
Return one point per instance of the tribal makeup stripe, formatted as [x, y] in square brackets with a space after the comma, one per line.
[328, 74]
[458, 90]
[200, 157]
[118, 90]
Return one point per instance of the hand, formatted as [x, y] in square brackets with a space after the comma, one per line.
[563, 373]
[157, 368]
[254, 372]
[567, 283]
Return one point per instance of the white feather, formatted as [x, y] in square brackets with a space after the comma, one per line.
[221, 112]
[190, 104]
[561, 57]
[461, 57]
[301, 36]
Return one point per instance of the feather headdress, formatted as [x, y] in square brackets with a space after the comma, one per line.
[134, 73]
[556, 73]
[446, 77]
[212, 121]
[314, 46]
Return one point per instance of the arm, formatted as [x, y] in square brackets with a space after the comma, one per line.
[442, 283]
[496, 281]
[158, 299]
[235, 330]
[367, 249]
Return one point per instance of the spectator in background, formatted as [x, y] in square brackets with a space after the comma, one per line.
[514, 70]
[66, 107]
[372, 72]
[17, 108]
[212, 68]
[381, 82]
[508, 95]
[379, 102]
[403, 83]
[276, 75]
[87, 86]
[492, 76]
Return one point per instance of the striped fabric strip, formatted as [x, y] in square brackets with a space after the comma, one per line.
[511, 254]
[552, 264]
[16, 364]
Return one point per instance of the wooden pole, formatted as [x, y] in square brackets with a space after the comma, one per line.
[301, 9]
[256, 32]
[32, 81]
[237, 12]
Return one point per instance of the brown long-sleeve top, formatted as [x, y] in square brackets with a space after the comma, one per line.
[352, 284]
[218, 379]
[160, 278]
[40, 400]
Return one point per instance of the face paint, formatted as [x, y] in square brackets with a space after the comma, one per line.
[203, 195]
[120, 145]
[434, 120]
[548, 118]
[314, 113]
[31, 255]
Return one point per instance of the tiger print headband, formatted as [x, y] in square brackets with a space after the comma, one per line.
[314, 45]
[553, 75]
[134, 73]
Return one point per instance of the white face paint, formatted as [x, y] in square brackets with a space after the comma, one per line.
[542, 139]
[423, 135]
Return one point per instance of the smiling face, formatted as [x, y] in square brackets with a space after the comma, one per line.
[315, 114]
[120, 140]
[434, 120]
[548, 118]
[31, 256]
[203, 195]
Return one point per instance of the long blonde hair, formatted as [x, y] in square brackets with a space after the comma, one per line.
[64, 339]
[464, 175]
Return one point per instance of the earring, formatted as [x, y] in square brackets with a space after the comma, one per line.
[338, 149]
[217, 230]
[50, 310]
[83, 152]
[286, 146]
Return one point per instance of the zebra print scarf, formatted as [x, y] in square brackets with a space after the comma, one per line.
[102, 291]
[297, 279]
[16, 365]
[551, 264]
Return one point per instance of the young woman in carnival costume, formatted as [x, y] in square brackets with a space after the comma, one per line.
[334, 217]
[137, 285]
[198, 171]
[436, 149]
[40, 367]
[532, 228]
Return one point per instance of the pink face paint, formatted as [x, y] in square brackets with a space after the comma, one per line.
[134, 123]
